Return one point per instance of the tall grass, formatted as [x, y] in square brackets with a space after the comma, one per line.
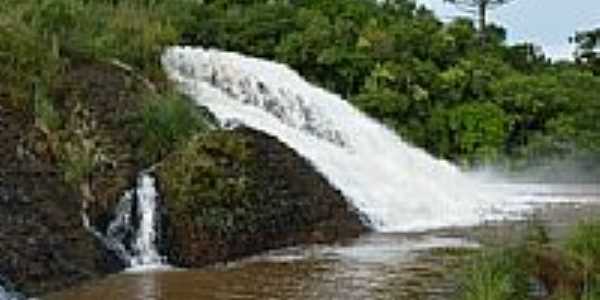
[584, 245]
[38, 36]
[24, 60]
[496, 275]
[570, 270]
[166, 121]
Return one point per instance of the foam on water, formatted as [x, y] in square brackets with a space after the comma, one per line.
[398, 186]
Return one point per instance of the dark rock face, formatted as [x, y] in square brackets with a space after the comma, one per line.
[99, 103]
[263, 196]
[43, 245]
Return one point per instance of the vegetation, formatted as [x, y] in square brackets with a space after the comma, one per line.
[588, 52]
[496, 276]
[207, 181]
[568, 270]
[480, 9]
[436, 84]
[432, 82]
[166, 122]
[40, 40]
[425, 79]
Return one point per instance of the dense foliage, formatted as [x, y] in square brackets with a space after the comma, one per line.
[42, 44]
[567, 270]
[432, 82]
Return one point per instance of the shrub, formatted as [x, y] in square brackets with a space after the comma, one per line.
[496, 276]
[583, 245]
[166, 121]
[206, 180]
[24, 61]
[135, 32]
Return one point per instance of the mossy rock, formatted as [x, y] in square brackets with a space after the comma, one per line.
[235, 193]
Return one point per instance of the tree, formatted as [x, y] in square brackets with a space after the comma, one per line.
[588, 49]
[480, 8]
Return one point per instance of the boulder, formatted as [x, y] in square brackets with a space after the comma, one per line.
[230, 194]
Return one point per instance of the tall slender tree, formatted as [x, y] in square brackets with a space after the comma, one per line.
[588, 48]
[479, 8]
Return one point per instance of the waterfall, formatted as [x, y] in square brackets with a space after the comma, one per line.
[132, 234]
[4, 295]
[7, 292]
[398, 186]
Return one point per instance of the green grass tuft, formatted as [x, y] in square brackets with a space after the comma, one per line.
[584, 245]
[38, 38]
[495, 276]
[167, 121]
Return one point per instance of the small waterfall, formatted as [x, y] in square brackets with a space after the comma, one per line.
[398, 186]
[6, 292]
[133, 233]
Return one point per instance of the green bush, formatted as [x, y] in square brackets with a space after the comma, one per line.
[496, 276]
[206, 179]
[38, 36]
[166, 121]
[24, 60]
[583, 245]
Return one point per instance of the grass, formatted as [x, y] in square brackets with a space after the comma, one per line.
[39, 37]
[206, 179]
[77, 161]
[496, 275]
[46, 115]
[570, 270]
[583, 245]
[168, 120]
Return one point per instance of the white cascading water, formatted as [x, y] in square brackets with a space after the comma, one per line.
[135, 242]
[4, 295]
[399, 187]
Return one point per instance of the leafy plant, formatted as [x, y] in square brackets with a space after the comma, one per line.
[166, 121]
[495, 276]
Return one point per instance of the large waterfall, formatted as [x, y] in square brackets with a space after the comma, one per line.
[398, 186]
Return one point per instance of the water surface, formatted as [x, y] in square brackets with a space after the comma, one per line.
[374, 266]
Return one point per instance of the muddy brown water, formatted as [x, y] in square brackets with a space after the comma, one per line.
[374, 266]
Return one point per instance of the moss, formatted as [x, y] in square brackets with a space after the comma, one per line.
[167, 120]
[235, 193]
[207, 180]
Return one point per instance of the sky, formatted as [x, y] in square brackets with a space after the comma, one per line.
[547, 23]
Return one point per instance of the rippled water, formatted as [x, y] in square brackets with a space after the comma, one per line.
[367, 268]
[374, 266]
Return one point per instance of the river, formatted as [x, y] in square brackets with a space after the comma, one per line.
[375, 266]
